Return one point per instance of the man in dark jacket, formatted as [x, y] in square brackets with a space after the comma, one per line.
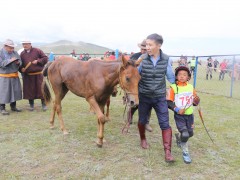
[154, 67]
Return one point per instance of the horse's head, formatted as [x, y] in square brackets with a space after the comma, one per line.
[129, 79]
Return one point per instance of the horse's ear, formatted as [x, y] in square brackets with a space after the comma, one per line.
[138, 62]
[140, 59]
[124, 61]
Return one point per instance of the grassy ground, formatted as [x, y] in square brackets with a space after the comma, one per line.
[30, 150]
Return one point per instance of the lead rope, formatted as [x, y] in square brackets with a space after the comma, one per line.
[127, 124]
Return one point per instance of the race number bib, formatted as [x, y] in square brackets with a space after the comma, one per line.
[184, 100]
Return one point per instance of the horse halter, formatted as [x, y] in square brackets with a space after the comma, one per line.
[126, 99]
[121, 83]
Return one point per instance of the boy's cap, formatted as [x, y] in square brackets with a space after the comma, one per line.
[182, 68]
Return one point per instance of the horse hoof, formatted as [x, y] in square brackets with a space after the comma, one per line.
[65, 133]
[99, 145]
[107, 119]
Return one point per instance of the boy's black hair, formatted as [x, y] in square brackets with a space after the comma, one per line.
[182, 68]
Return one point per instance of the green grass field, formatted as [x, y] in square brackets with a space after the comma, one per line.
[30, 150]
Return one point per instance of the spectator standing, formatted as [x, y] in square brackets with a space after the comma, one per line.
[223, 67]
[51, 57]
[216, 63]
[209, 68]
[183, 61]
[10, 87]
[112, 56]
[33, 62]
[193, 64]
[143, 50]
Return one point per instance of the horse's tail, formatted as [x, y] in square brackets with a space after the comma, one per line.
[45, 89]
[45, 69]
[46, 93]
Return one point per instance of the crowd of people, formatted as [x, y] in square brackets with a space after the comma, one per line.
[30, 64]
[224, 67]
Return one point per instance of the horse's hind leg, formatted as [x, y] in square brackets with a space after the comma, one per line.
[60, 92]
[52, 115]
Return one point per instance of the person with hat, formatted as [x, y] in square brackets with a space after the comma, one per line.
[143, 50]
[132, 110]
[154, 66]
[181, 97]
[33, 61]
[10, 87]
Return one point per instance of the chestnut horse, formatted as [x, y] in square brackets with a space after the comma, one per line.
[94, 80]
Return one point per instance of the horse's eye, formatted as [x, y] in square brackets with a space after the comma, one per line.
[127, 79]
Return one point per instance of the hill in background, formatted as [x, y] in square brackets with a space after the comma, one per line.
[66, 47]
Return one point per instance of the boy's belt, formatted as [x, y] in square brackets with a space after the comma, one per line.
[10, 75]
[34, 73]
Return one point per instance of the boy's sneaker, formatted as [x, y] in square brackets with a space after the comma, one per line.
[186, 158]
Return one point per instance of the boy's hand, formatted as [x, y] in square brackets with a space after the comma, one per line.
[181, 111]
[196, 101]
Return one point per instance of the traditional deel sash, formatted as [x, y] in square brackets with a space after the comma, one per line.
[10, 75]
[35, 73]
[184, 97]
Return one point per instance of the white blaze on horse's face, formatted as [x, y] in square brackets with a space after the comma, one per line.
[130, 80]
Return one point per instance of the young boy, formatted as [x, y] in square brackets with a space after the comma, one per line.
[181, 97]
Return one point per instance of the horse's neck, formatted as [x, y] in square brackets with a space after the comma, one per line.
[113, 73]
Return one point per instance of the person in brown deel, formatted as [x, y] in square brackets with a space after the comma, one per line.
[33, 61]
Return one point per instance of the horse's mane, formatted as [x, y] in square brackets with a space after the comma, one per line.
[129, 62]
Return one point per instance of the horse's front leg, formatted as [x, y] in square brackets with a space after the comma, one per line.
[101, 119]
[107, 113]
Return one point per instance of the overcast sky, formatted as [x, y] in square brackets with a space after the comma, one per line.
[122, 23]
